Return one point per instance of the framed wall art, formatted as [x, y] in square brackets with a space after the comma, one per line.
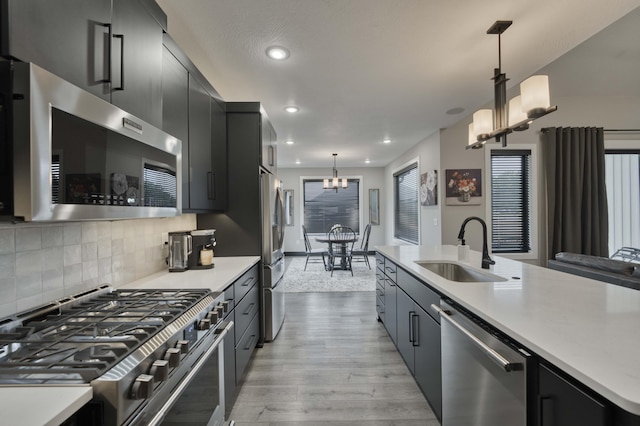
[374, 206]
[464, 187]
[429, 188]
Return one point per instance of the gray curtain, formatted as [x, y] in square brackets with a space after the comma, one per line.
[576, 194]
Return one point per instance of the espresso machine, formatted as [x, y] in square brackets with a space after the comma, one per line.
[201, 257]
[180, 248]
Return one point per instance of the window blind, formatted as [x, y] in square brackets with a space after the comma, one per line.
[324, 208]
[406, 204]
[511, 201]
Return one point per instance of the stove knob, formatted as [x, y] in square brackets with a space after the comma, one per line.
[173, 356]
[159, 370]
[220, 310]
[225, 305]
[142, 387]
[213, 316]
[204, 324]
[183, 345]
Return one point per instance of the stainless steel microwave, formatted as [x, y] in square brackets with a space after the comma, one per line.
[78, 157]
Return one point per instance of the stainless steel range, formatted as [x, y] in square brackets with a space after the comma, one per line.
[151, 356]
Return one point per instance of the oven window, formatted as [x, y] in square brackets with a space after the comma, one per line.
[95, 165]
[200, 399]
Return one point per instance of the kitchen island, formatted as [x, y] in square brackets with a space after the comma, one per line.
[585, 328]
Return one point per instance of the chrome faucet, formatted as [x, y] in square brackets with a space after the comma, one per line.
[486, 260]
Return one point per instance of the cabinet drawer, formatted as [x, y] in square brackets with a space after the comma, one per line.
[380, 284]
[380, 309]
[419, 292]
[390, 270]
[245, 311]
[245, 282]
[246, 346]
[380, 263]
[379, 296]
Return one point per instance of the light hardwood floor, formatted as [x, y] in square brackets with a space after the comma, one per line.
[331, 364]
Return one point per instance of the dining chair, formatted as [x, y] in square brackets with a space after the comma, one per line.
[312, 253]
[362, 253]
[341, 241]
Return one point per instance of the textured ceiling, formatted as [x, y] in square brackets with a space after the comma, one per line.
[365, 70]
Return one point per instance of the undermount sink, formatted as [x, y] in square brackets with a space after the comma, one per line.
[460, 273]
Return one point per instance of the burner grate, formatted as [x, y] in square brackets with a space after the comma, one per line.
[82, 341]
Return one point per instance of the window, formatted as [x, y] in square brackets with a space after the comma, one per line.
[326, 207]
[511, 201]
[406, 204]
[622, 169]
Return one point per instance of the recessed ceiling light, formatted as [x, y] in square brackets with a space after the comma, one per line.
[278, 53]
[367, 161]
[291, 109]
[455, 111]
[289, 142]
[387, 140]
[297, 161]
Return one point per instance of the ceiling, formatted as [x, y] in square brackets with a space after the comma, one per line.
[365, 70]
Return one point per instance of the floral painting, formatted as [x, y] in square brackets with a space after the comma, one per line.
[429, 188]
[464, 186]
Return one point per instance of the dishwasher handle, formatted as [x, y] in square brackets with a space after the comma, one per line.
[507, 365]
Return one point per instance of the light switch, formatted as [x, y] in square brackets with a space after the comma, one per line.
[435, 221]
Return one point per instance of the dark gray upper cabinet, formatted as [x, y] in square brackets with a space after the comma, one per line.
[136, 61]
[200, 173]
[175, 111]
[192, 114]
[218, 185]
[269, 153]
[113, 52]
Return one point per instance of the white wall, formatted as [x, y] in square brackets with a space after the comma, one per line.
[427, 152]
[372, 177]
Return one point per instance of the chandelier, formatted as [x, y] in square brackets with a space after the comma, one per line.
[334, 182]
[532, 103]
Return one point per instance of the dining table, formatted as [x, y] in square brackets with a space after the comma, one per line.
[341, 242]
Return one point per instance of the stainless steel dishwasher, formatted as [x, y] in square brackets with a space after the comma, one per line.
[483, 374]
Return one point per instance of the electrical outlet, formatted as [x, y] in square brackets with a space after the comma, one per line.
[435, 221]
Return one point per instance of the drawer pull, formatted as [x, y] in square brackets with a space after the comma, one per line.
[251, 341]
[247, 281]
[249, 309]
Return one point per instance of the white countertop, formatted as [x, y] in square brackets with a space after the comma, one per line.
[589, 329]
[225, 272]
[41, 405]
[51, 405]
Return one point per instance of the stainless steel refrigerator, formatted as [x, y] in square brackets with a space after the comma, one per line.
[273, 296]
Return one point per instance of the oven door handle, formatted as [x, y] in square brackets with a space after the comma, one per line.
[185, 382]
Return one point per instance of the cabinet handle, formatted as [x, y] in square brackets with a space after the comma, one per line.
[247, 282]
[271, 156]
[415, 329]
[411, 326]
[507, 365]
[249, 309]
[211, 192]
[109, 35]
[545, 415]
[121, 37]
[253, 339]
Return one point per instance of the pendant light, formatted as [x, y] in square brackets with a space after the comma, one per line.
[334, 182]
[532, 103]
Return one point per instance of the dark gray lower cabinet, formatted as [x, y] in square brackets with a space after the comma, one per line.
[419, 345]
[390, 319]
[560, 403]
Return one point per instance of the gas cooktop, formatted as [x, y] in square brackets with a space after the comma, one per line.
[78, 339]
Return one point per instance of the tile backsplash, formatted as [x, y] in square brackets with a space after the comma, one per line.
[43, 262]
